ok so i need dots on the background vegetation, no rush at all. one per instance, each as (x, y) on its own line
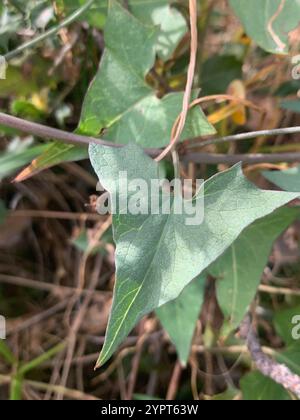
(57, 262)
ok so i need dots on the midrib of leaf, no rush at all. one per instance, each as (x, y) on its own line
(178, 320)
(235, 282)
(103, 357)
(264, 391)
(50, 158)
(132, 106)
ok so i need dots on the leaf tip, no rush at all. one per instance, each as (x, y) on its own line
(98, 365)
(100, 362)
(183, 363)
(20, 177)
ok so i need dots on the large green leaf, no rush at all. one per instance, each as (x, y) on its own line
(179, 317)
(171, 23)
(158, 255)
(119, 99)
(288, 179)
(256, 387)
(239, 270)
(268, 22)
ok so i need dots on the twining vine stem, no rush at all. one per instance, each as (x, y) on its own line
(250, 158)
(45, 132)
(247, 136)
(180, 123)
(265, 364)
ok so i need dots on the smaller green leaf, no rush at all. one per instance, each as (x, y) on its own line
(53, 154)
(12, 161)
(238, 277)
(288, 180)
(268, 22)
(25, 109)
(179, 317)
(256, 387)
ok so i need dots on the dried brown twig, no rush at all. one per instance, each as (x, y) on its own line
(267, 366)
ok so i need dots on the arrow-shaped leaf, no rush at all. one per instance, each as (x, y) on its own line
(119, 99)
(240, 268)
(157, 255)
